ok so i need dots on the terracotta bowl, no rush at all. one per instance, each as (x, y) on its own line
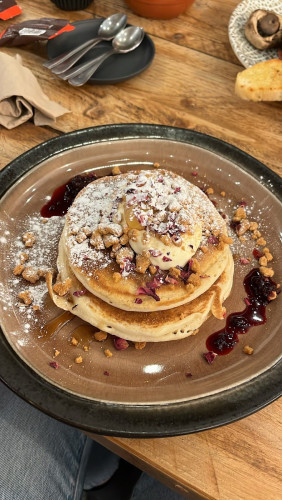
(159, 9)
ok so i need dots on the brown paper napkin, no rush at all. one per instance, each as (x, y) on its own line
(21, 96)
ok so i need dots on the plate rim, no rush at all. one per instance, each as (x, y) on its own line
(155, 420)
(101, 81)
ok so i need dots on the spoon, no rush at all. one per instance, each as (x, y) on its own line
(108, 29)
(125, 41)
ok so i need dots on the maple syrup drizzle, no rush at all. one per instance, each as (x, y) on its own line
(259, 290)
(55, 325)
(83, 334)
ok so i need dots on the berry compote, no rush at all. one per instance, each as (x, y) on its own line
(260, 291)
(64, 195)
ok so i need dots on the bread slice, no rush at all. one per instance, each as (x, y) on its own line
(261, 82)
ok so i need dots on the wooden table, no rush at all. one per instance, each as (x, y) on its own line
(190, 84)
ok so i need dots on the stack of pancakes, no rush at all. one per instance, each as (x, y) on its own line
(144, 256)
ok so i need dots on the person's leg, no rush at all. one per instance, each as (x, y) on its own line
(39, 457)
(42, 458)
(148, 487)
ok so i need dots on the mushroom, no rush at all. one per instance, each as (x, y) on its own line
(264, 29)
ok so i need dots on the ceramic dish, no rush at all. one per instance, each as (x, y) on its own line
(118, 67)
(159, 9)
(138, 392)
(246, 53)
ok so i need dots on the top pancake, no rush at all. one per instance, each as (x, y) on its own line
(118, 226)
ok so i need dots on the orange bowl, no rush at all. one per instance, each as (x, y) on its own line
(159, 9)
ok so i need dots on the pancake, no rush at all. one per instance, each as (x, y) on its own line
(172, 324)
(144, 241)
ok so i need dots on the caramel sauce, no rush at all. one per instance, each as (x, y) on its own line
(83, 334)
(55, 325)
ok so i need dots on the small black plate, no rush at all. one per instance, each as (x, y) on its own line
(118, 67)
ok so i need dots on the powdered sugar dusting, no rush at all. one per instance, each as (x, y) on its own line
(162, 202)
(41, 256)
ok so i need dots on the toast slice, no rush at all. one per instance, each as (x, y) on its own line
(261, 82)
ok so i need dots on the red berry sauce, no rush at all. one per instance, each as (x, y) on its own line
(259, 290)
(64, 195)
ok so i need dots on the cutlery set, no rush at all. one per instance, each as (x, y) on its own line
(112, 28)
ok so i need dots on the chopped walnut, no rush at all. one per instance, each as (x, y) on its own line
(195, 266)
(156, 165)
(23, 257)
(256, 234)
(266, 271)
(253, 226)
(26, 297)
(175, 272)
(78, 360)
(142, 264)
(56, 353)
(63, 288)
(152, 269)
(116, 247)
(124, 239)
(243, 227)
(165, 239)
(263, 261)
(194, 279)
(204, 249)
(116, 171)
(239, 214)
(146, 253)
(261, 242)
(100, 336)
(225, 239)
(248, 350)
(44, 221)
(96, 240)
(108, 353)
(272, 295)
(124, 253)
(31, 274)
(267, 254)
(87, 231)
(110, 240)
(28, 239)
(133, 234)
(35, 307)
(139, 345)
(18, 269)
(210, 190)
(74, 341)
(223, 194)
(86, 348)
(110, 228)
(80, 237)
(116, 277)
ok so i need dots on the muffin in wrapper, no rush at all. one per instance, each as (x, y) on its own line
(72, 4)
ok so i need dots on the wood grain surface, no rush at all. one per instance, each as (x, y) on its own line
(190, 84)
